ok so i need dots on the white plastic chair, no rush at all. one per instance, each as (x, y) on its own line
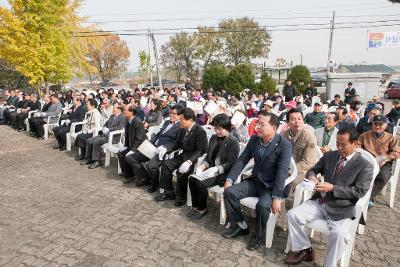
(251, 203)
(361, 208)
(153, 130)
(49, 126)
(30, 115)
(309, 128)
(394, 179)
(111, 150)
(71, 136)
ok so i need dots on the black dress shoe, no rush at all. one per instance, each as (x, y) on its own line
(128, 180)
(152, 189)
(235, 231)
(254, 243)
(180, 202)
(86, 162)
(199, 215)
(62, 148)
(164, 197)
(20, 130)
(143, 182)
(40, 138)
(95, 164)
(191, 212)
(80, 157)
(56, 147)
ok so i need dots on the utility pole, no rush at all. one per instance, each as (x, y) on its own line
(301, 59)
(328, 70)
(330, 44)
(156, 58)
(148, 48)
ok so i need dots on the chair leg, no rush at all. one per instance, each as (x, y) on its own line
(287, 249)
(269, 232)
(27, 125)
(188, 197)
(69, 142)
(46, 131)
(222, 212)
(119, 168)
(393, 187)
(107, 159)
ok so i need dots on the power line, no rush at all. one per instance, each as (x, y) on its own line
(244, 26)
(241, 31)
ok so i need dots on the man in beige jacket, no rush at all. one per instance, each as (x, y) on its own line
(304, 144)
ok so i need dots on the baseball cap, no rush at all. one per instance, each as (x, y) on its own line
(269, 103)
(379, 118)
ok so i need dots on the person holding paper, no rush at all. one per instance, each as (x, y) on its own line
(222, 153)
(348, 177)
(135, 134)
(271, 154)
(168, 134)
(192, 144)
(94, 144)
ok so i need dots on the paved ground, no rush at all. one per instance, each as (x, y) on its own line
(55, 212)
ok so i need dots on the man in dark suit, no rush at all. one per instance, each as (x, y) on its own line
(116, 122)
(51, 114)
(77, 115)
(33, 105)
(192, 143)
(345, 120)
(148, 172)
(347, 178)
(11, 101)
(349, 93)
(135, 134)
(271, 153)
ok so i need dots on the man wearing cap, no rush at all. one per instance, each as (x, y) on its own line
(365, 124)
(268, 105)
(349, 93)
(384, 147)
(315, 118)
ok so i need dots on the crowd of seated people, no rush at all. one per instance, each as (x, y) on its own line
(271, 132)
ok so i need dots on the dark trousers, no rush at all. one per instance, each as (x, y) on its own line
(167, 168)
(93, 147)
(13, 118)
(80, 141)
(20, 120)
(382, 179)
(252, 187)
(125, 168)
(6, 116)
(145, 168)
(199, 191)
(36, 125)
(60, 132)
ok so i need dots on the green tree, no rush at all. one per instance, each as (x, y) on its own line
(244, 39)
(208, 45)
(36, 38)
(144, 61)
(267, 84)
(215, 76)
(239, 78)
(10, 78)
(300, 77)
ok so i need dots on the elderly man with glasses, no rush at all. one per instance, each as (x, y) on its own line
(384, 147)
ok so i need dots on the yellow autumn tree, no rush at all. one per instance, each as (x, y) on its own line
(36, 37)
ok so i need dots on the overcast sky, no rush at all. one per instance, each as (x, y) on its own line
(349, 45)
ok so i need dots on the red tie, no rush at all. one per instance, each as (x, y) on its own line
(339, 168)
(340, 165)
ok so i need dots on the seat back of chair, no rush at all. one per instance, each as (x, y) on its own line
(363, 202)
(242, 146)
(320, 154)
(292, 171)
